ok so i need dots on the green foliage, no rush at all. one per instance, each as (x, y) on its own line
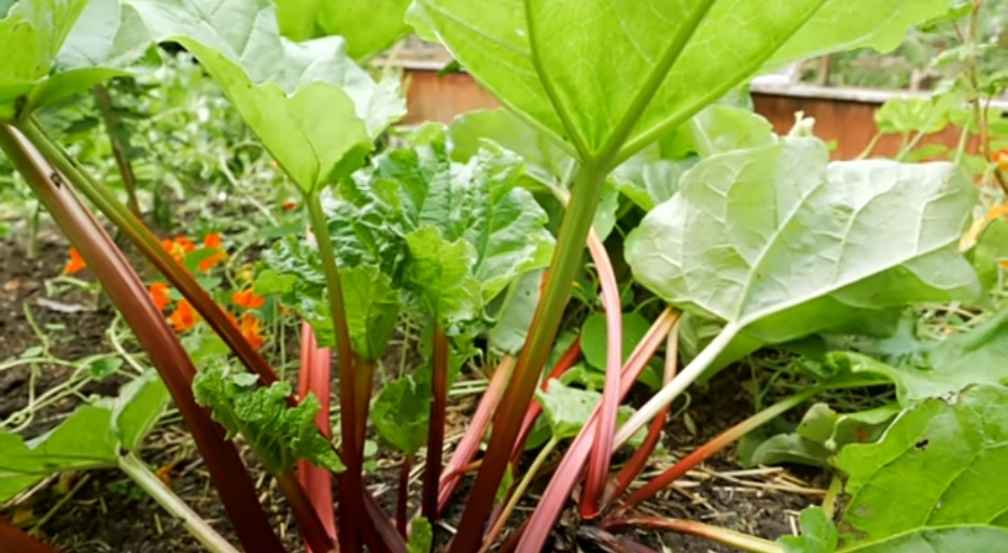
(64, 47)
(372, 309)
(930, 369)
(681, 56)
(421, 538)
(281, 435)
(821, 433)
(93, 436)
(401, 412)
(280, 86)
(368, 27)
(818, 535)
(840, 239)
(567, 409)
(942, 463)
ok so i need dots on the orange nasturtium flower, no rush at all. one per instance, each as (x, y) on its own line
(290, 205)
(178, 247)
(248, 299)
(159, 294)
(1000, 159)
(249, 326)
(75, 263)
(212, 241)
(184, 318)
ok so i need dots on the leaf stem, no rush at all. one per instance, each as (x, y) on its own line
(152, 485)
(436, 426)
(352, 515)
(117, 138)
(130, 297)
(315, 377)
(724, 536)
(715, 445)
(518, 492)
(682, 381)
(13, 539)
(566, 262)
(467, 447)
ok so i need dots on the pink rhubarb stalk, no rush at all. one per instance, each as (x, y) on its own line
(314, 377)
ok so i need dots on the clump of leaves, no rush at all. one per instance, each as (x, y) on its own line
(281, 435)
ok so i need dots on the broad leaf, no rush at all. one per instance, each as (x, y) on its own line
(280, 87)
(369, 27)
(401, 412)
(594, 337)
(924, 370)
(778, 242)
(281, 435)
(91, 437)
(821, 434)
(438, 271)
(63, 47)
(943, 464)
(567, 409)
(372, 309)
(139, 406)
(582, 70)
(514, 314)
(818, 534)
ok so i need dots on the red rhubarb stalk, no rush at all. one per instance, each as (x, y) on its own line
(130, 297)
(571, 467)
(14, 540)
(632, 469)
(598, 463)
(469, 445)
(314, 377)
(723, 536)
(436, 426)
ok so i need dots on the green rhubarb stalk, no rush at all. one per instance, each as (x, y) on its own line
(351, 497)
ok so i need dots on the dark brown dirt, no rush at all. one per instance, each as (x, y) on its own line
(107, 513)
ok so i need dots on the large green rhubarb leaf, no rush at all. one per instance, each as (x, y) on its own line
(315, 110)
(368, 27)
(941, 465)
(609, 77)
(779, 242)
(63, 47)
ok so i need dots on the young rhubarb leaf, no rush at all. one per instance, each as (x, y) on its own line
(401, 412)
(372, 308)
(681, 55)
(567, 409)
(280, 87)
(838, 239)
(137, 408)
(439, 272)
(942, 463)
(281, 435)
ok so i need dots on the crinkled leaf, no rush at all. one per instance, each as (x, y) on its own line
(139, 406)
(401, 412)
(724, 128)
(298, 19)
(942, 463)
(779, 242)
(64, 47)
(439, 271)
(924, 370)
(280, 87)
(591, 59)
(281, 435)
(372, 309)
